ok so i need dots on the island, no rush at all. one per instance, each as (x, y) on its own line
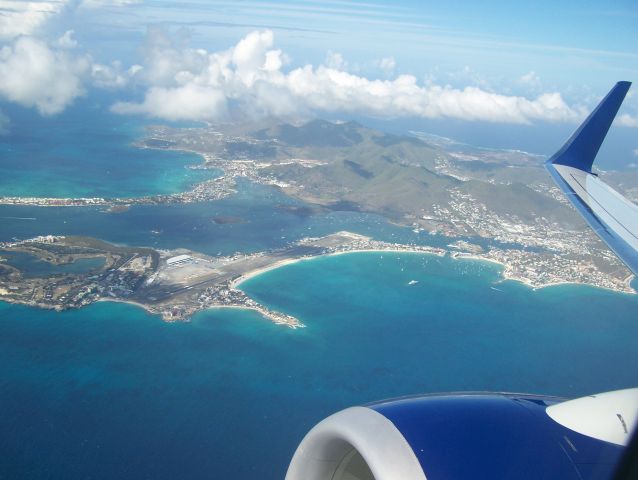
(179, 283)
(424, 182)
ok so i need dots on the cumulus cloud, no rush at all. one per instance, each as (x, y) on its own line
(530, 79)
(626, 120)
(387, 64)
(167, 59)
(187, 83)
(19, 17)
(67, 40)
(112, 75)
(33, 74)
(335, 60)
(188, 102)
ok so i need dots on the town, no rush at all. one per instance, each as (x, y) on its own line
(549, 245)
(176, 284)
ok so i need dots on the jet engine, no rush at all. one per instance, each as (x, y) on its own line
(470, 435)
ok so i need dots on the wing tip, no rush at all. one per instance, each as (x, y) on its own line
(582, 147)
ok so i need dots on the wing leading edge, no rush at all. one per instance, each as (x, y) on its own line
(610, 215)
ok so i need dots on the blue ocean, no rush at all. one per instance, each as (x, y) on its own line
(113, 392)
(87, 152)
(110, 391)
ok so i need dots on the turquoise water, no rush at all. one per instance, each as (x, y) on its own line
(110, 391)
(32, 266)
(266, 223)
(456, 328)
(84, 152)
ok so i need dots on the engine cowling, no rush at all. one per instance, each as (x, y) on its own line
(470, 435)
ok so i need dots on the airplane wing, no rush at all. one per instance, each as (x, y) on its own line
(610, 215)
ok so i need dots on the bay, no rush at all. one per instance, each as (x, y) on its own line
(110, 391)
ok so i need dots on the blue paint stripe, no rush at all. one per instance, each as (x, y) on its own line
(495, 436)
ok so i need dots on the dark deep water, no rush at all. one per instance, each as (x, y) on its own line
(112, 392)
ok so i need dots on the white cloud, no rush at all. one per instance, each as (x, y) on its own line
(189, 102)
(335, 60)
(34, 75)
(167, 59)
(107, 3)
(19, 17)
(113, 75)
(530, 80)
(67, 40)
(249, 78)
(626, 120)
(387, 64)
(22, 17)
(636, 152)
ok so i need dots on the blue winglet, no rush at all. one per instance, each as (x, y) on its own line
(582, 147)
(611, 216)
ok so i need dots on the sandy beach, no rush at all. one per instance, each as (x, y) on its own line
(253, 273)
(505, 273)
(239, 280)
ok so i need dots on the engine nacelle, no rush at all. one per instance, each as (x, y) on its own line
(470, 435)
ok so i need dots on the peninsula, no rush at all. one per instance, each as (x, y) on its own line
(172, 283)
(178, 283)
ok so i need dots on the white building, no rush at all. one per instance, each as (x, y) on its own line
(179, 260)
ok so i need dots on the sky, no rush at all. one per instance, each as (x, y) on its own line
(457, 62)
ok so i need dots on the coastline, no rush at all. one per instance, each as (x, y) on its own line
(147, 308)
(208, 190)
(254, 273)
(220, 286)
(504, 273)
(114, 202)
(291, 322)
(476, 258)
(524, 270)
(266, 313)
